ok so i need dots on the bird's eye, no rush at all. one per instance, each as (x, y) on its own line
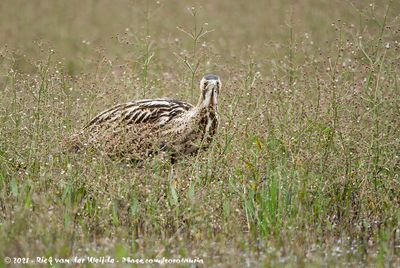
(205, 84)
(217, 84)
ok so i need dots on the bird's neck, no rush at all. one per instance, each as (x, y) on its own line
(207, 115)
(203, 105)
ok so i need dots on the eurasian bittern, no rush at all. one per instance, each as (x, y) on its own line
(139, 129)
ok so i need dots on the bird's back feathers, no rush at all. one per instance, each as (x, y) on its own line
(159, 111)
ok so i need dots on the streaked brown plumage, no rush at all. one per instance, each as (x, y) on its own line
(139, 129)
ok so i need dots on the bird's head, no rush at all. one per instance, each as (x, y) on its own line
(210, 86)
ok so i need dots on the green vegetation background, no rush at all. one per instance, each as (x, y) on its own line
(304, 170)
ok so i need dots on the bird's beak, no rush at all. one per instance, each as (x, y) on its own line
(214, 99)
(212, 83)
(212, 88)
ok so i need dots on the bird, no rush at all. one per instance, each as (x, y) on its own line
(140, 129)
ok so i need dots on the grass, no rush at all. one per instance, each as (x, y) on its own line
(304, 170)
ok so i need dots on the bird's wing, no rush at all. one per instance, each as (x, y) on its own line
(156, 111)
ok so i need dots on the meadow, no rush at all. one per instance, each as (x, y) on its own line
(304, 171)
